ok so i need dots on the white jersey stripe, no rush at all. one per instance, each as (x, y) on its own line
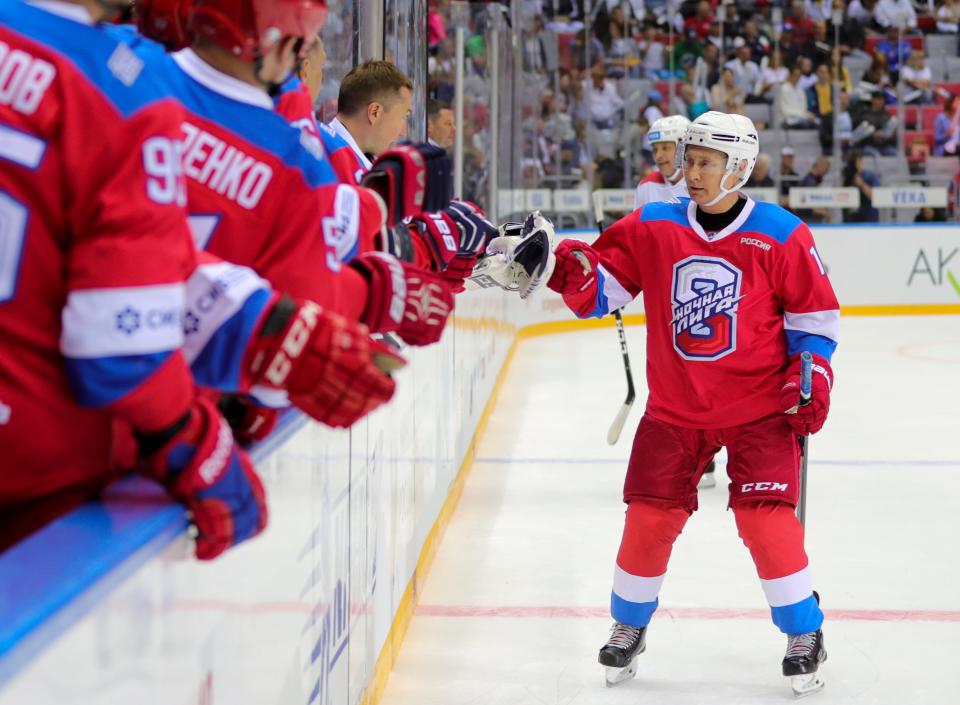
(823, 323)
(636, 588)
(616, 295)
(122, 321)
(788, 590)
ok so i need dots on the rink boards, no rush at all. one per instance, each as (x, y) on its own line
(104, 607)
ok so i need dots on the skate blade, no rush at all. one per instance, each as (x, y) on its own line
(807, 684)
(615, 676)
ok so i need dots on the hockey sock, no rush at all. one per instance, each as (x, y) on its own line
(648, 537)
(774, 537)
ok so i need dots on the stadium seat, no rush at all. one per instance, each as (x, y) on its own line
(926, 23)
(938, 68)
(942, 45)
(911, 114)
(941, 170)
(953, 88)
(758, 112)
(929, 116)
(804, 140)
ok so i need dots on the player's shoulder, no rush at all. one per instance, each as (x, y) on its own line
(249, 125)
(104, 60)
(654, 177)
(674, 211)
(773, 221)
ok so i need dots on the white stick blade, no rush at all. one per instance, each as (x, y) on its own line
(613, 435)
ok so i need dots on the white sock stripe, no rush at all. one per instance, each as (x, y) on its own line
(788, 590)
(636, 588)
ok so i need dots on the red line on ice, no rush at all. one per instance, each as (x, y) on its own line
(536, 612)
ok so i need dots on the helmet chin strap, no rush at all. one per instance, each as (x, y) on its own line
(676, 176)
(724, 192)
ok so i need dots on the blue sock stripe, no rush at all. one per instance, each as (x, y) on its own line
(636, 614)
(799, 618)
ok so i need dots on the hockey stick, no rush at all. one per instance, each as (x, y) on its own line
(806, 388)
(613, 435)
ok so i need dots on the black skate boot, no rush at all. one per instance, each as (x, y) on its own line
(620, 652)
(805, 653)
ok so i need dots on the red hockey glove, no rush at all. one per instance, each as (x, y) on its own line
(198, 463)
(809, 418)
(441, 235)
(412, 179)
(476, 232)
(404, 298)
(576, 267)
(329, 366)
(251, 423)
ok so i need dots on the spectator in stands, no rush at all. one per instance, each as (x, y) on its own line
(946, 129)
(896, 52)
(820, 103)
(532, 43)
(687, 52)
(808, 76)
(844, 121)
(800, 26)
(875, 78)
(839, 71)
(441, 126)
(746, 73)
(855, 175)
(948, 17)
(876, 130)
(603, 100)
(788, 177)
(773, 74)
(862, 12)
(928, 214)
(819, 10)
(759, 43)
(586, 51)
(888, 11)
(623, 57)
(654, 109)
(917, 79)
(792, 102)
(760, 177)
(814, 178)
(702, 21)
(726, 95)
(652, 51)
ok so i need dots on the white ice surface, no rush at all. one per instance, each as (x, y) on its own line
(539, 524)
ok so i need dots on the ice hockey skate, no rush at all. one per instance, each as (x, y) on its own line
(801, 663)
(620, 653)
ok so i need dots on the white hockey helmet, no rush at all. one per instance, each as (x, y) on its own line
(668, 129)
(733, 135)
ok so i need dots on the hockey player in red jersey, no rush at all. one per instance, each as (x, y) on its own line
(667, 182)
(99, 280)
(450, 241)
(734, 291)
(257, 197)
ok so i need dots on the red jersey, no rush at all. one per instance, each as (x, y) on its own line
(257, 197)
(94, 253)
(724, 310)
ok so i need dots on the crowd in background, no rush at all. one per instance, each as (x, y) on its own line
(598, 74)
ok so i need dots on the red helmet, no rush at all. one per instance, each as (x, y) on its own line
(250, 28)
(165, 21)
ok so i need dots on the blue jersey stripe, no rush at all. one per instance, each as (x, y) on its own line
(664, 210)
(798, 341)
(219, 365)
(799, 618)
(95, 53)
(636, 614)
(771, 220)
(99, 381)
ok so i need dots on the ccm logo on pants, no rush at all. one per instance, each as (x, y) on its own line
(763, 486)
